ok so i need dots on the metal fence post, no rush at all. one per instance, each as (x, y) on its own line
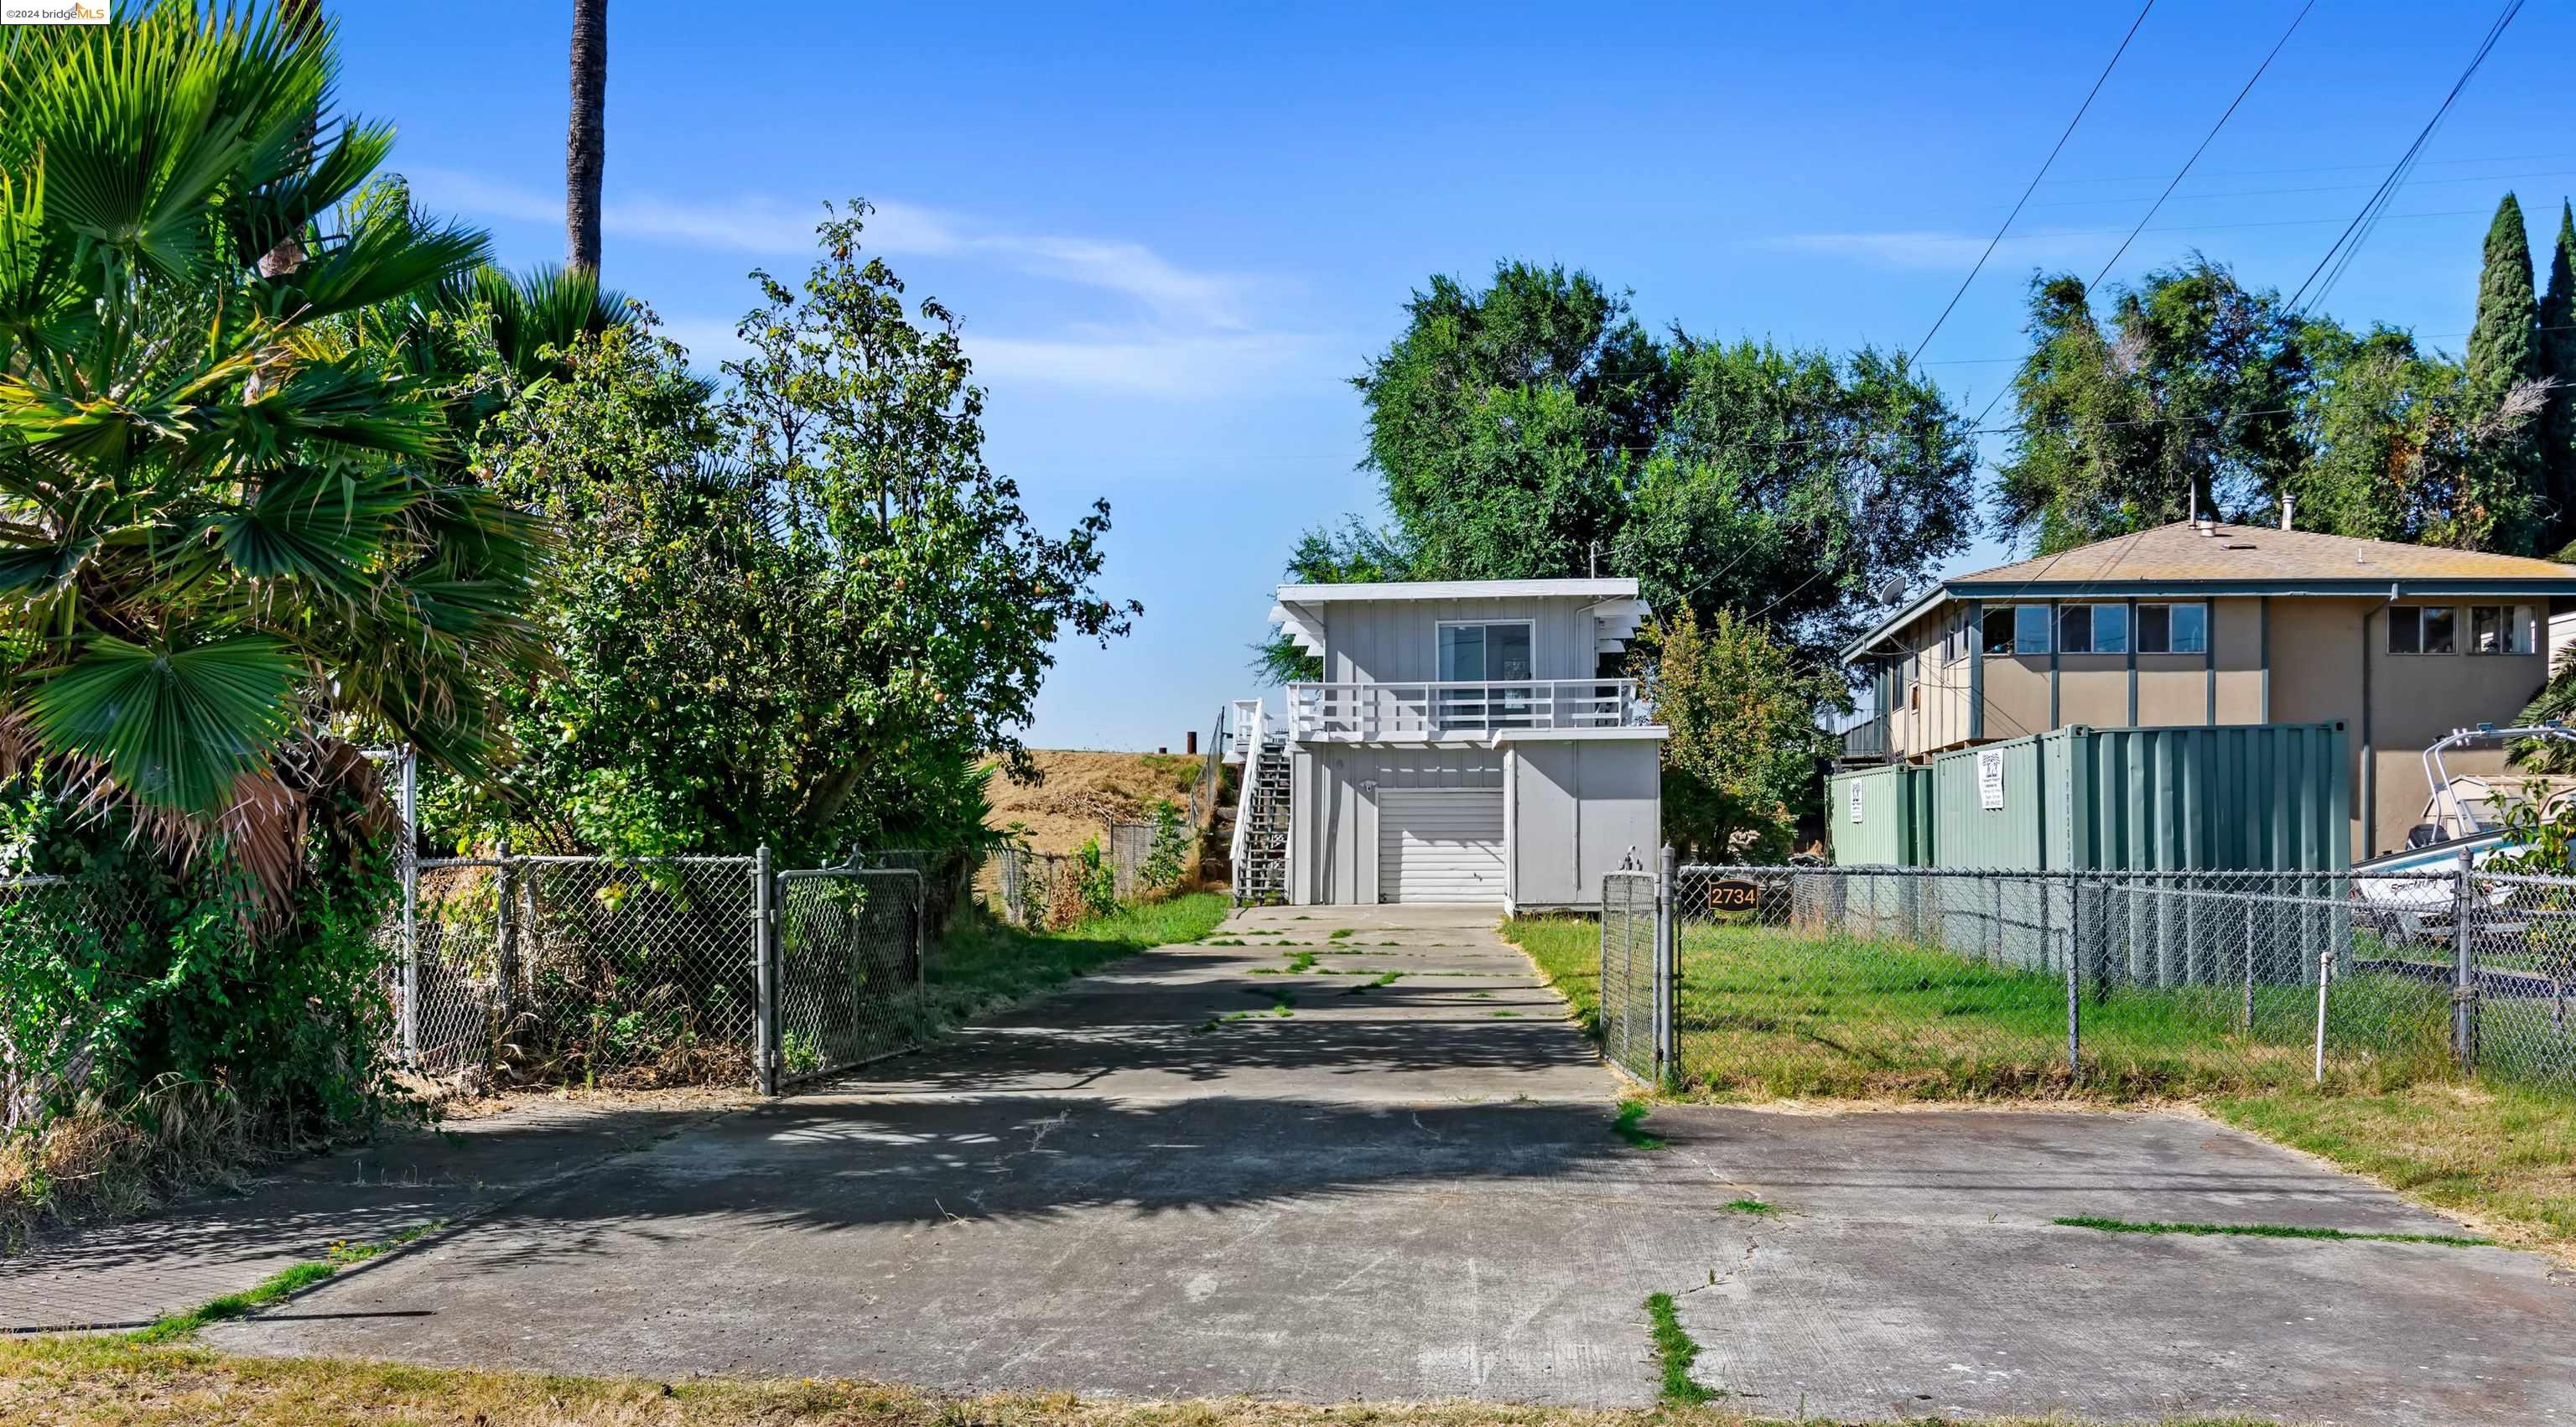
(1668, 967)
(2464, 993)
(409, 1020)
(2074, 978)
(764, 952)
(506, 940)
(2247, 1018)
(2325, 975)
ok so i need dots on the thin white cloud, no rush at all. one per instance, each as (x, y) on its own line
(1135, 362)
(763, 226)
(1936, 251)
(1146, 363)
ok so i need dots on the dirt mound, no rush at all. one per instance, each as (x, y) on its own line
(1083, 792)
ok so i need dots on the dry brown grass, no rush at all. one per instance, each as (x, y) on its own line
(99, 1164)
(1086, 791)
(2501, 1158)
(65, 1381)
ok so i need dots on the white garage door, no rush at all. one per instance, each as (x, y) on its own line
(1440, 846)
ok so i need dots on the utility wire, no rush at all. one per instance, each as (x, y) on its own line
(2180, 175)
(2185, 171)
(2358, 231)
(2067, 133)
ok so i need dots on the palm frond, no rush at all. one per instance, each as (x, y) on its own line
(175, 727)
(323, 528)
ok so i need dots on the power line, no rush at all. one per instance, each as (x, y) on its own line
(2328, 188)
(2181, 174)
(2358, 231)
(2060, 147)
(2425, 336)
(2325, 168)
(2205, 141)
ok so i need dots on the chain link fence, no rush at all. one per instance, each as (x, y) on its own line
(58, 939)
(1955, 982)
(652, 972)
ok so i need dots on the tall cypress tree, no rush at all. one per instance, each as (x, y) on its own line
(2558, 363)
(2504, 353)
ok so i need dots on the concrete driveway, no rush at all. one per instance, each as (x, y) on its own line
(1411, 1189)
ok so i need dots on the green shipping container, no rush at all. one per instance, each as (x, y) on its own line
(2242, 797)
(1879, 817)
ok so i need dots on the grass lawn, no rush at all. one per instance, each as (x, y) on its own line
(1770, 1011)
(108, 1381)
(985, 962)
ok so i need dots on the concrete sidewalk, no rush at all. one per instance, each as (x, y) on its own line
(1412, 1190)
(127, 1275)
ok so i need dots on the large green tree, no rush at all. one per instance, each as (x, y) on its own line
(2184, 392)
(234, 526)
(801, 609)
(233, 504)
(2557, 432)
(1534, 428)
(2504, 367)
(1745, 746)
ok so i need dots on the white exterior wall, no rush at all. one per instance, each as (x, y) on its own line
(1577, 807)
(1332, 818)
(1398, 641)
(1572, 810)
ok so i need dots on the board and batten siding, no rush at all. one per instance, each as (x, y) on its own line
(1333, 819)
(1579, 807)
(1397, 641)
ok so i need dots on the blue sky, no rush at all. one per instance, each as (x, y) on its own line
(1174, 232)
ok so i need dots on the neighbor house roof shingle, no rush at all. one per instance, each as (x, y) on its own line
(2255, 552)
(2183, 559)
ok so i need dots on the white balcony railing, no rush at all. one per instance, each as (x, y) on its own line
(1404, 713)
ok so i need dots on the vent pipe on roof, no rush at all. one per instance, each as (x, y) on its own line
(2288, 503)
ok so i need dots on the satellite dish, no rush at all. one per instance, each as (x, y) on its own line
(1891, 590)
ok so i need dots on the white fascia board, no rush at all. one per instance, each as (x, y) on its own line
(1460, 590)
(1654, 731)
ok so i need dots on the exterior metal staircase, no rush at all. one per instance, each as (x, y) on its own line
(1258, 856)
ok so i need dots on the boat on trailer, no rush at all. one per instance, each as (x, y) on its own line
(2412, 887)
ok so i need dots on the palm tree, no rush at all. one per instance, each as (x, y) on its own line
(586, 146)
(233, 516)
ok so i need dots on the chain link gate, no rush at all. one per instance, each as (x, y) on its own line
(1635, 982)
(848, 969)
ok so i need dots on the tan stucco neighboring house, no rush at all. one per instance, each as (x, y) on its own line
(2196, 624)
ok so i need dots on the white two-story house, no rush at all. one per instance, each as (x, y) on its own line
(1469, 742)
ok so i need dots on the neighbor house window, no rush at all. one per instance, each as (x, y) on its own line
(2500, 629)
(2093, 629)
(2017, 629)
(2422, 629)
(2173, 629)
(1485, 653)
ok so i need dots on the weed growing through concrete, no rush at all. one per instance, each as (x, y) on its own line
(1629, 1125)
(1341, 934)
(294, 1278)
(1300, 962)
(1506, 1015)
(1763, 1207)
(1388, 978)
(2264, 1231)
(1480, 995)
(1203, 1027)
(1674, 1353)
